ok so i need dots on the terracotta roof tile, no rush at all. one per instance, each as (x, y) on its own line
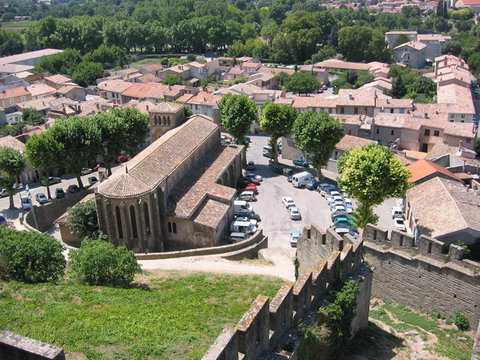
(423, 168)
(352, 142)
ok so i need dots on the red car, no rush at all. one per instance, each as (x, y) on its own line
(122, 159)
(95, 168)
(247, 181)
(249, 187)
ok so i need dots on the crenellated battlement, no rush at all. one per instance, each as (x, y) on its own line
(263, 326)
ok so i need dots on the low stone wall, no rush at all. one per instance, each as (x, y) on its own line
(262, 327)
(257, 238)
(476, 346)
(429, 277)
(46, 214)
(17, 347)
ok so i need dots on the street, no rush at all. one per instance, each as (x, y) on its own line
(276, 222)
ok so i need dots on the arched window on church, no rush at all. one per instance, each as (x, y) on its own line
(119, 223)
(169, 121)
(156, 120)
(133, 221)
(147, 218)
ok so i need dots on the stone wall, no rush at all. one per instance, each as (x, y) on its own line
(45, 215)
(263, 328)
(17, 347)
(476, 346)
(430, 277)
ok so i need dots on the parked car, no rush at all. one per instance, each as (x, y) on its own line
(337, 203)
(290, 178)
(52, 180)
(247, 196)
(324, 87)
(59, 193)
(252, 216)
(343, 220)
(397, 212)
(400, 224)
(246, 219)
(3, 221)
(122, 159)
(346, 230)
(313, 185)
(73, 188)
(3, 193)
(254, 176)
(301, 162)
(338, 214)
(288, 201)
(249, 187)
(99, 165)
(252, 180)
(338, 208)
(41, 198)
(92, 180)
(251, 165)
(86, 171)
(294, 236)
(26, 202)
(333, 198)
(295, 213)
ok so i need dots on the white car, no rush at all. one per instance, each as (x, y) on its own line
(295, 213)
(332, 199)
(294, 236)
(347, 200)
(246, 219)
(396, 211)
(338, 208)
(400, 224)
(288, 201)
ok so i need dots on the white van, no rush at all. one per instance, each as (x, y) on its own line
(241, 207)
(242, 226)
(247, 196)
(397, 212)
(301, 179)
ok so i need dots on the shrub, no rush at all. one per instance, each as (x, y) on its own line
(98, 262)
(461, 321)
(30, 257)
(83, 220)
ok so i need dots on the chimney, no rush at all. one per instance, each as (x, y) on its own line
(426, 115)
(350, 96)
(64, 111)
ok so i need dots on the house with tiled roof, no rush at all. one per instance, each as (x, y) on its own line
(411, 54)
(40, 90)
(177, 193)
(57, 81)
(29, 174)
(347, 142)
(444, 209)
(153, 92)
(112, 90)
(11, 97)
(204, 103)
(424, 170)
(154, 69)
(340, 65)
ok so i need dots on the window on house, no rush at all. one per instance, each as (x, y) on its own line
(12, 101)
(462, 116)
(342, 110)
(401, 111)
(355, 110)
(392, 132)
(427, 132)
(133, 221)
(378, 131)
(452, 117)
(147, 218)
(174, 226)
(469, 141)
(119, 223)
(169, 227)
(436, 133)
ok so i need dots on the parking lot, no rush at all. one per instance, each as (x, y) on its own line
(276, 222)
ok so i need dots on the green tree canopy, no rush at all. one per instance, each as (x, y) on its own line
(87, 72)
(362, 43)
(32, 116)
(137, 126)
(44, 151)
(30, 257)
(238, 113)
(83, 220)
(173, 80)
(98, 262)
(277, 120)
(12, 164)
(10, 43)
(61, 63)
(317, 134)
(452, 48)
(302, 83)
(371, 175)
(402, 39)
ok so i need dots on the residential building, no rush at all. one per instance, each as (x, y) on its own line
(391, 37)
(41, 90)
(411, 54)
(11, 97)
(30, 174)
(424, 170)
(177, 193)
(340, 65)
(57, 81)
(204, 103)
(153, 92)
(346, 143)
(112, 90)
(444, 209)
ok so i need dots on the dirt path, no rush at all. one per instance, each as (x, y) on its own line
(281, 264)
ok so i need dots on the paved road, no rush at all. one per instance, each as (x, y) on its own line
(276, 222)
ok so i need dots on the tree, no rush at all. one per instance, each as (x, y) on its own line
(61, 63)
(31, 257)
(172, 80)
(83, 220)
(423, 85)
(98, 262)
(44, 151)
(317, 134)
(302, 83)
(12, 164)
(281, 77)
(362, 43)
(399, 89)
(87, 72)
(137, 126)
(474, 61)
(371, 175)
(32, 116)
(452, 48)
(277, 120)
(80, 139)
(238, 112)
(10, 43)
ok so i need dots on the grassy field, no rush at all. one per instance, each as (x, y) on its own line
(178, 317)
(141, 63)
(440, 337)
